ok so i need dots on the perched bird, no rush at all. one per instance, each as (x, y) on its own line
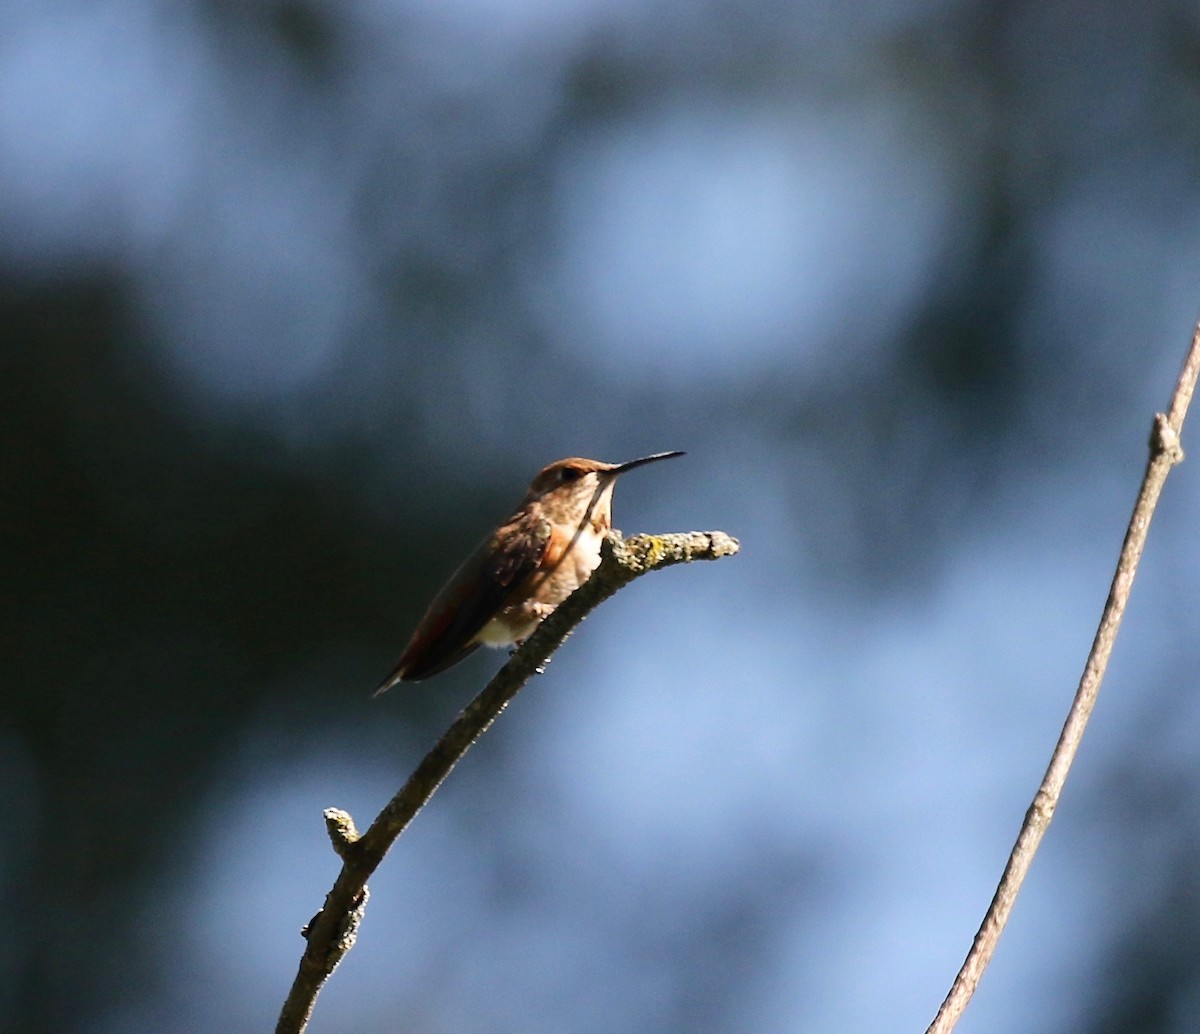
(523, 570)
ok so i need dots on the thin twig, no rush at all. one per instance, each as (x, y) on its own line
(332, 931)
(1165, 452)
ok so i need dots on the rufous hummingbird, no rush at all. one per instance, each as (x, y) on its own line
(523, 570)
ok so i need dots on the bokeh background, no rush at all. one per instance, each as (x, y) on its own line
(296, 296)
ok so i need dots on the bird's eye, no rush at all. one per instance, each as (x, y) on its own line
(570, 474)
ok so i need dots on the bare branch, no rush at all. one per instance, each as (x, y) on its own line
(1165, 452)
(332, 931)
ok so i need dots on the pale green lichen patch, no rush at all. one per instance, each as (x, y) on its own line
(654, 550)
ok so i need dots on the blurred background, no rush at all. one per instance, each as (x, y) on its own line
(295, 298)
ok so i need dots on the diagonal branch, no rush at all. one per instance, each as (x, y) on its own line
(1165, 452)
(332, 931)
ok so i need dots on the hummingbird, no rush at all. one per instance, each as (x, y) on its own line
(523, 570)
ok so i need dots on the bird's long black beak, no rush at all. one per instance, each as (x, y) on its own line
(621, 468)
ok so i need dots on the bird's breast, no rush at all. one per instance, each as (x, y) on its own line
(569, 562)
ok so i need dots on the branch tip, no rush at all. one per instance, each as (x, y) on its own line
(341, 829)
